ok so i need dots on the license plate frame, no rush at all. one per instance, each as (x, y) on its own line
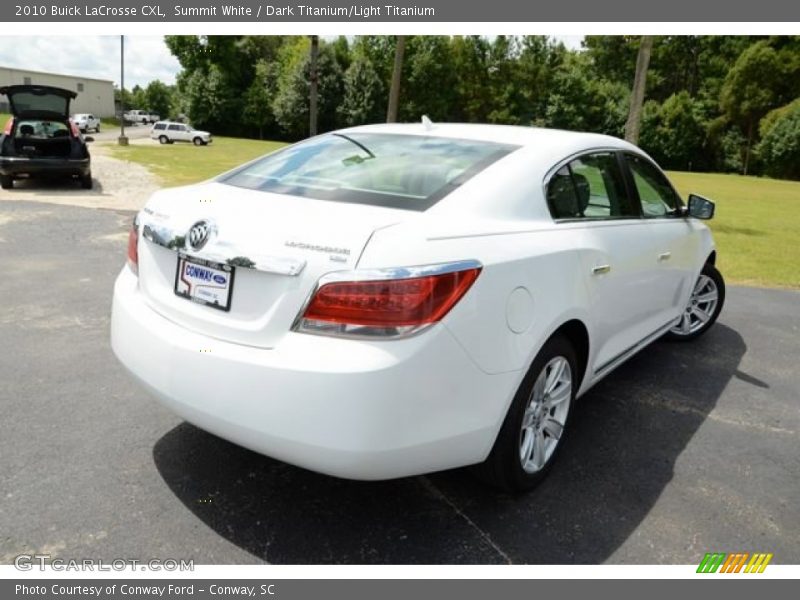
(189, 290)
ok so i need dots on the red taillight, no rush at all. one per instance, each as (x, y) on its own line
(9, 126)
(133, 249)
(74, 129)
(398, 305)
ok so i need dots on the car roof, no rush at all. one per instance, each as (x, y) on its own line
(539, 137)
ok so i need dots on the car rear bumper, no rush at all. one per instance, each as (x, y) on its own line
(354, 409)
(44, 166)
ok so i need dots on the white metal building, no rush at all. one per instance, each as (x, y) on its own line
(95, 96)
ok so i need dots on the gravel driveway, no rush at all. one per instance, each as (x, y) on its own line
(118, 184)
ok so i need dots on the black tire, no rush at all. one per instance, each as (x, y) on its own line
(86, 181)
(503, 468)
(679, 333)
(6, 182)
(97, 129)
(197, 141)
(162, 139)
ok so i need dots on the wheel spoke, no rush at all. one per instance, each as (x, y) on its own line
(560, 394)
(686, 324)
(538, 451)
(707, 297)
(553, 428)
(537, 393)
(701, 314)
(526, 446)
(701, 282)
(554, 376)
(528, 417)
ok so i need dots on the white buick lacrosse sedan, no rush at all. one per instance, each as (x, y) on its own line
(392, 300)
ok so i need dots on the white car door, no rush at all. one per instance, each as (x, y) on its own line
(174, 132)
(675, 242)
(589, 196)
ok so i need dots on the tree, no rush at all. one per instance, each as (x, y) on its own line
(397, 75)
(779, 148)
(158, 98)
(363, 94)
(291, 100)
(633, 124)
(313, 80)
(749, 91)
(674, 132)
(258, 103)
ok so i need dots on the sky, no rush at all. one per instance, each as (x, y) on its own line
(146, 57)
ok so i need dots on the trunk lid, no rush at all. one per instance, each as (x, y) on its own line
(38, 101)
(278, 245)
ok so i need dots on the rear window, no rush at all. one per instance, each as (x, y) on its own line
(45, 102)
(160, 126)
(411, 172)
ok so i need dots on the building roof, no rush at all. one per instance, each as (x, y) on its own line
(71, 76)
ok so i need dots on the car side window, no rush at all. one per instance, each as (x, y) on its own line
(657, 196)
(173, 128)
(590, 187)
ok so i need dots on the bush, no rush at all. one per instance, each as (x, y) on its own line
(779, 150)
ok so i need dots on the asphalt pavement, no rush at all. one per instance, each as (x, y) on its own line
(686, 449)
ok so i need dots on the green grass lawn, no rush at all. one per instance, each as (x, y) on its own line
(183, 163)
(756, 226)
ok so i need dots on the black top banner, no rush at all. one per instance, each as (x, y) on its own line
(414, 11)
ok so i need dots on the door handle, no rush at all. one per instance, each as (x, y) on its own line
(664, 256)
(601, 269)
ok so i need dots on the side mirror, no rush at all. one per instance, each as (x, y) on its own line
(88, 139)
(700, 208)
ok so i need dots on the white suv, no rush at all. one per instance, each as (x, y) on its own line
(168, 132)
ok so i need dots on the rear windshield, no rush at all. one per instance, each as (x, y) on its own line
(43, 102)
(398, 171)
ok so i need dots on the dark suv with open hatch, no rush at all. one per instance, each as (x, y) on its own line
(40, 140)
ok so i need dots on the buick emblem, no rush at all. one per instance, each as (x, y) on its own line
(199, 234)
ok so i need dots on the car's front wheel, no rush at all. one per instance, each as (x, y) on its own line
(534, 427)
(703, 308)
(198, 141)
(6, 182)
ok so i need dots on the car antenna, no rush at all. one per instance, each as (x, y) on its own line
(427, 123)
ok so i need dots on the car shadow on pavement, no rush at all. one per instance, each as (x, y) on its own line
(625, 437)
(56, 186)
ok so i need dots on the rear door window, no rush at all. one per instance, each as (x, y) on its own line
(590, 187)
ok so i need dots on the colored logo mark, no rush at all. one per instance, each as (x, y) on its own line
(737, 562)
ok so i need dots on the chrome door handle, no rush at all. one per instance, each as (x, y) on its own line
(600, 269)
(664, 256)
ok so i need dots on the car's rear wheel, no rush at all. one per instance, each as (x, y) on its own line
(703, 308)
(197, 141)
(162, 139)
(86, 181)
(534, 427)
(6, 182)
